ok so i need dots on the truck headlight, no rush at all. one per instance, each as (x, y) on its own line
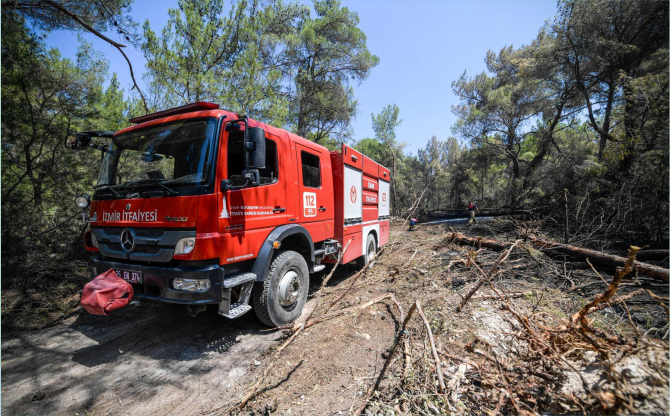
(94, 241)
(184, 245)
(191, 285)
(82, 201)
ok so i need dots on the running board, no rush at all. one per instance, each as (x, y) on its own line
(242, 283)
(319, 268)
(238, 279)
(236, 310)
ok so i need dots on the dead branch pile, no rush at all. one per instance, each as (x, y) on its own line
(502, 333)
(534, 361)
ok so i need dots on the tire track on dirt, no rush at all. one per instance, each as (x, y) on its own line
(146, 359)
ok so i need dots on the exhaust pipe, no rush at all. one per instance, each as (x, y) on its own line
(193, 310)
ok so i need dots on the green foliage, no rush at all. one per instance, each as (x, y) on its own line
(100, 15)
(271, 61)
(584, 107)
(234, 60)
(43, 97)
(329, 52)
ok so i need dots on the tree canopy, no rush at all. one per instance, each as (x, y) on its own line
(580, 113)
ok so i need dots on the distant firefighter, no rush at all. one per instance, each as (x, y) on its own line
(471, 208)
(412, 224)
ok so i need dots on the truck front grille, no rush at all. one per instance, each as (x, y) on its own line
(140, 232)
(144, 249)
(153, 244)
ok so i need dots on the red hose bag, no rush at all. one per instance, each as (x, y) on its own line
(106, 293)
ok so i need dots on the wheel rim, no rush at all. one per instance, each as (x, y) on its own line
(290, 289)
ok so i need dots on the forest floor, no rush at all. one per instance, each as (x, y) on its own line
(512, 348)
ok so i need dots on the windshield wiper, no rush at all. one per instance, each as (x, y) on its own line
(153, 182)
(108, 188)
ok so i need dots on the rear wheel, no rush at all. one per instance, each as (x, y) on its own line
(370, 252)
(279, 299)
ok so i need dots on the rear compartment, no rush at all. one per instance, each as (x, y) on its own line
(361, 188)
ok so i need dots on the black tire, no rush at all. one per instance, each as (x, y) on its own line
(266, 300)
(370, 251)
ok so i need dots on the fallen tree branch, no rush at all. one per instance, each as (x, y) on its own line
(608, 293)
(346, 310)
(323, 284)
(438, 368)
(354, 278)
(396, 341)
(509, 296)
(254, 389)
(260, 381)
(486, 276)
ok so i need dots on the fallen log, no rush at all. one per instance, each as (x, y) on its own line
(596, 257)
(645, 255)
(478, 241)
(603, 259)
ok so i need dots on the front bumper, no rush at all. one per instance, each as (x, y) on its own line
(156, 281)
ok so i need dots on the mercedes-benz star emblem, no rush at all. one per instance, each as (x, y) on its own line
(128, 240)
(127, 207)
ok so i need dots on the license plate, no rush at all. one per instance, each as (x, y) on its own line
(130, 276)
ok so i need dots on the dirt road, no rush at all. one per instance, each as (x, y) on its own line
(149, 358)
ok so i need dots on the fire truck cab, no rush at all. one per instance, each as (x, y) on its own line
(197, 205)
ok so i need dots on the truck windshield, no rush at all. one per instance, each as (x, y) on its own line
(174, 154)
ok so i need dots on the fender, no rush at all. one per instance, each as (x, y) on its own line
(262, 264)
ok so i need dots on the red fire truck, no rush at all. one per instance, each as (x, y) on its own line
(197, 206)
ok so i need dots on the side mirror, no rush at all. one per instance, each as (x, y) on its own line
(226, 185)
(256, 137)
(77, 141)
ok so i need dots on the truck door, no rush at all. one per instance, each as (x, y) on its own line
(249, 213)
(315, 201)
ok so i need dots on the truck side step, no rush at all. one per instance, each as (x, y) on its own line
(238, 279)
(319, 268)
(236, 310)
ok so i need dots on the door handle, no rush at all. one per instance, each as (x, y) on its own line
(278, 210)
(322, 209)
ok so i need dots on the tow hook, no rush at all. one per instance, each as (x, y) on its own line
(193, 310)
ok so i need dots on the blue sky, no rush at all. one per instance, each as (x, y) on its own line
(422, 45)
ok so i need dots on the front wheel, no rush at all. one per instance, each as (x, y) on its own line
(370, 253)
(279, 299)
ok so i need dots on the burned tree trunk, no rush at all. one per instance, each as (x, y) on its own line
(549, 248)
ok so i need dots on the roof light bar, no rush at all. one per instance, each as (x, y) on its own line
(200, 105)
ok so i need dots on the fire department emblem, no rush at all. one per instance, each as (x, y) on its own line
(352, 194)
(384, 199)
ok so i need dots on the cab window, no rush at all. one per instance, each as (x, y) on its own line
(236, 160)
(311, 170)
